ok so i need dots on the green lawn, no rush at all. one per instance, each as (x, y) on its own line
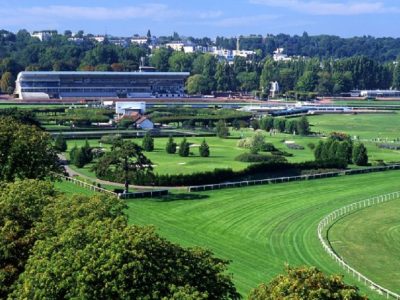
(369, 240)
(72, 189)
(263, 227)
(366, 126)
(224, 151)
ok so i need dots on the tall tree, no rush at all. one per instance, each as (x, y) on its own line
(248, 81)
(107, 259)
(180, 61)
(21, 208)
(396, 76)
(125, 161)
(26, 152)
(159, 59)
(60, 143)
(303, 126)
(222, 130)
(307, 82)
(7, 83)
(197, 84)
(223, 77)
(267, 75)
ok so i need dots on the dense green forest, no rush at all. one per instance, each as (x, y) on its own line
(321, 46)
(368, 63)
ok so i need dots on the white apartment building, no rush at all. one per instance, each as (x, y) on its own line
(139, 40)
(280, 56)
(43, 35)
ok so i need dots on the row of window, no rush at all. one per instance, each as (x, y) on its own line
(99, 90)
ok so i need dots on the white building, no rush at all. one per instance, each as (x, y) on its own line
(99, 38)
(230, 55)
(43, 35)
(243, 53)
(139, 40)
(274, 89)
(176, 45)
(122, 42)
(189, 49)
(120, 107)
(380, 93)
(280, 56)
(76, 40)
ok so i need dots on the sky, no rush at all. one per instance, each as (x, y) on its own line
(209, 18)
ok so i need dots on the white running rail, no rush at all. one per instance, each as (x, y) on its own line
(335, 215)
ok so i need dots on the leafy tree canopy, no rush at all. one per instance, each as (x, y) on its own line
(25, 152)
(305, 283)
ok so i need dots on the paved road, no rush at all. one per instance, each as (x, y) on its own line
(71, 173)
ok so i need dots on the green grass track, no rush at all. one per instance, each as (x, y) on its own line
(261, 228)
(369, 240)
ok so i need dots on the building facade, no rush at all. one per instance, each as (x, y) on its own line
(59, 85)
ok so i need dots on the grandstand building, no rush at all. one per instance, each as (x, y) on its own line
(86, 85)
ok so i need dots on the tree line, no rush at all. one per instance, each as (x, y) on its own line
(321, 46)
(328, 74)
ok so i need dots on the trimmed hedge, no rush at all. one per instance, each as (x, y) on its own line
(256, 158)
(224, 175)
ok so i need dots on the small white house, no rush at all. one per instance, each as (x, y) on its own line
(144, 123)
(120, 107)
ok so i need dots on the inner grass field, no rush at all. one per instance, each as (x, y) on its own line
(366, 126)
(369, 240)
(261, 228)
(224, 151)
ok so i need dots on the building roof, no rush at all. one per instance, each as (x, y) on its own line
(86, 73)
(141, 120)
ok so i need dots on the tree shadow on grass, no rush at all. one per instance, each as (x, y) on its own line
(181, 197)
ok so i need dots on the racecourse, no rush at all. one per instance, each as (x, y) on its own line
(369, 241)
(261, 228)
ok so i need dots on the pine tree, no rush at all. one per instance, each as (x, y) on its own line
(184, 148)
(72, 154)
(7, 83)
(148, 142)
(79, 159)
(171, 146)
(87, 152)
(303, 127)
(204, 149)
(396, 76)
(60, 143)
(360, 155)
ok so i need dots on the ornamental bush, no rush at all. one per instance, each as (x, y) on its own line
(171, 146)
(204, 149)
(148, 142)
(184, 148)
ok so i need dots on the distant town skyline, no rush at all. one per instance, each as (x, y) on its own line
(206, 18)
